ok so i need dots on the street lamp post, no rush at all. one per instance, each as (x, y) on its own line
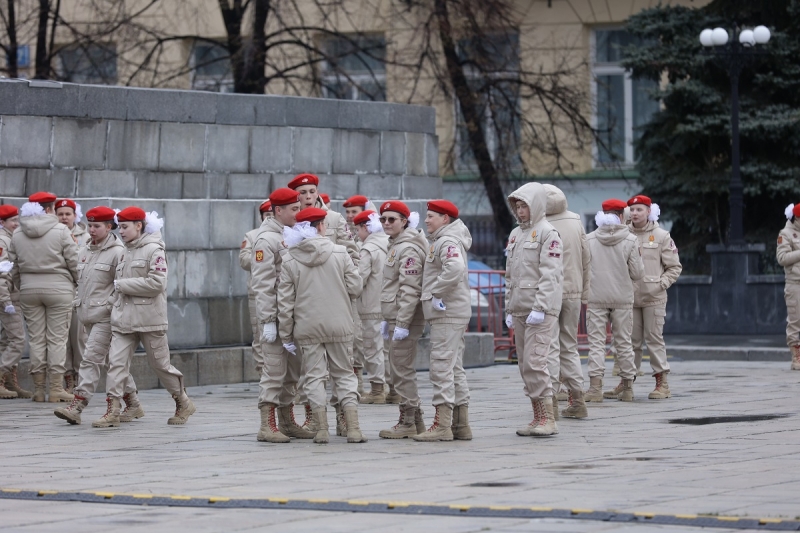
(735, 54)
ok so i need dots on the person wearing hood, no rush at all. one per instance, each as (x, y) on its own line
(139, 315)
(374, 247)
(534, 285)
(616, 264)
(447, 307)
(662, 266)
(12, 337)
(564, 361)
(45, 260)
(317, 285)
(281, 374)
(97, 266)
(788, 255)
(401, 307)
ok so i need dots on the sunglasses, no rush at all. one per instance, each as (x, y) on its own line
(390, 220)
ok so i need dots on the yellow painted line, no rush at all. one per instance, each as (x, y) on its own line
(104, 494)
(216, 499)
(44, 492)
(393, 505)
(142, 496)
(728, 518)
(581, 511)
(541, 509)
(12, 490)
(278, 500)
(499, 508)
(180, 497)
(645, 515)
(461, 507)
(769, 520)
(357, 502)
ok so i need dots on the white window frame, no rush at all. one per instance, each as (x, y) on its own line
(329, 77)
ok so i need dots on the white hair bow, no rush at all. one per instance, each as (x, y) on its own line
(413, 220)
(78, 213)
(606, 219)
(789, 211)
(31, 209)
(153, 224)
(655, 212)
(296, 234)
(374, 224)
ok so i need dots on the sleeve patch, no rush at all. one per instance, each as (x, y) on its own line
(452, 251)
(412, 272)
(554, 245)
(553, 254)
(259, 256)
(244, 243)
(410, 262)
(780, 241)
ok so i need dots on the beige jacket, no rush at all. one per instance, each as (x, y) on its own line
(338, 232)
(141, 297)
(45, 255)
(402, 279)
(446, 274)
(370, 268)
(9, 294)
(82, 237)
(246, 257)
(616, 264)
(97, 266)
(662, 266)
(577, 257)
(317, 285)
(265, 269)
(788, 251)
(534, 266)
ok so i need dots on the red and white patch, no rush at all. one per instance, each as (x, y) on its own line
(452, 251)
(1, 251)
(780, 241)
(160, 260)
(259, 256)
(554, 245)
(554, 254)
(412, 272)
(410, 262)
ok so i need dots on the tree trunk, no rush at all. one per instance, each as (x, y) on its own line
(42, 56)
(255, 73)
(13, 67)
(232, 17)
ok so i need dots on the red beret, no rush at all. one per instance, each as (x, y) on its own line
(283, 196)
(131, 214)
(640, 199)
(614, 205)
(42, 197)
(266, 206)
(311, 214)
(796, 210)
(100, 214)
(443, 207)
(325, 198)
(356, 201)
(397, 206)
(362, 217)
(64, 202)
(303, 179)
(8, 211)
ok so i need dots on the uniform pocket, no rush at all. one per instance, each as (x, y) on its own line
(661, 316)
(440, 362)
(142, 301)
(531, 252)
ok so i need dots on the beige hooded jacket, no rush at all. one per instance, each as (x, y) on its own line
(370, 268)
(616, 264)
(662, 266)
(44, 254)
(246, 257)
(338, 232)
(97, 266)
(534, 263)
(446, 275)
(788, 251)
(402, 279)
(140, 303)
(317, 285)
(269, 251)
(577, 256)
(8, 292)
(82, 236)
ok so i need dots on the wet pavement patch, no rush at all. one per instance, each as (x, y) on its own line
(706, 420)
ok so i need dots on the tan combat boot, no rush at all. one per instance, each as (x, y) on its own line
(614, 393)
(527, 431)
(393, 396)
(562, 395)
(308, 423)
(460, 427)
(289, 426)
(184, 408)
(405, 427)
(547, 424)
(796, 357)
(376, 394)
(6, 394)
(441, 429)
(577, 407)
(321, 423)
(661, 392)
(595, 392)
(341, 424)
(556, 415)
(269, 431)
(39, 386)
(72, 412)
(111, 418)
(419, 421)
(69, 382)
(626, 394)
(13, 384)
(133, 409)
(351, 424)
(359, 372)
(57, 392)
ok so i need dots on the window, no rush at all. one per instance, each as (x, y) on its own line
(91, 63)
(622, 104)
(211, 68)
(355, 68)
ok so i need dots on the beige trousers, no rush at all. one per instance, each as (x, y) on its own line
(564, 361)
(76, 344)
(791, 292)
(621, 326)
(359, 357)
(402, 358)
(447, 374)
(533, 345)
(47, 315)
(648, 328)
(258, 351)
(156, 345)
(334, 359)
(12, 338)
(280, 375)
(373, 351)
(95, 357)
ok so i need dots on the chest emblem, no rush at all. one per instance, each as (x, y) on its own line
(533, 235)
(651, 238)
(394, 253)
(259, 256)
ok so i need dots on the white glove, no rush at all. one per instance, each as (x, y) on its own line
(399, 334)
(509, 321)
(270, 332)
(385, 330)
(116, 285)
(6, 266)
(536, 317)
(291, 348)
(438, 304)
(10, 309)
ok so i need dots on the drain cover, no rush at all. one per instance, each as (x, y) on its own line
(703, 421)
(495, 484)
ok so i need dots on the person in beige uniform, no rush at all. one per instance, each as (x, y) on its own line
(139, 314)
(402, 311)
(245, 260)
(352, 207)
(662, 266)
(281, 377)
(564, 361)
(534, 279)
(45, 259)
(97, 266)
(316, 268)
(788, 255)
(374, 247)
(616, 264)
(12, 336)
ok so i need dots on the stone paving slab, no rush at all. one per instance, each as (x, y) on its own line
(625, 458)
